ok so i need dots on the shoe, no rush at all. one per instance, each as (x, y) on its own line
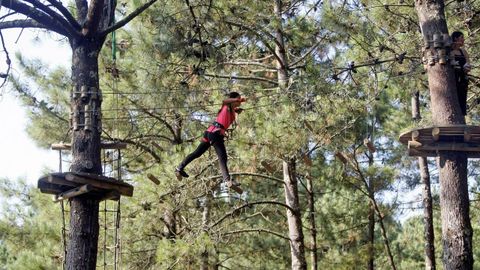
(180, 173)
(234, 185)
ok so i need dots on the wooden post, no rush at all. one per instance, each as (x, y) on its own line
(415, 135)
(436, 133)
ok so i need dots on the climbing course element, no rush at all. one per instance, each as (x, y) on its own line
(67, 185)
(427, 142)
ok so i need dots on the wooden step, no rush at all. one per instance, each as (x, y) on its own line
(99, 186)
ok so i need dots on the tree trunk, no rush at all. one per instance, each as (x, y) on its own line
(456, 227)
(311, 220)
(426, 194)
(416, 106)
(86, 104)
(297, 246)
(371, 237)
(427, 215)
(280, 55)
(205, 220)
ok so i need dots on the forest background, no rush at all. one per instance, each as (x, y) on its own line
(353, 69)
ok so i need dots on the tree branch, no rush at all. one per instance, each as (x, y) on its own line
(55, 16)
(127, 19)
(82, 9)
(29, 23)
(143, 147)
(42, 18)
(8, 61)
(231, 213)
(93, 17)
(264, 41)
(257, 231)
(64, 11)
(247, 78)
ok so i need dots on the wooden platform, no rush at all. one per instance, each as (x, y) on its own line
(103, 145)
(429, 141)
(68, 185)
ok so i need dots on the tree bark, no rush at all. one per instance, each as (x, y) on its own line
(294, 216)
(426, 195)
(86, 104)
(313, 228)
(371, 236)
(427, 215)
(456, 227)
(205, 221)
(280, 55)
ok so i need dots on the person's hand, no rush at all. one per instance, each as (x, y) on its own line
(467, 67)
(238, 110)
(243, 99)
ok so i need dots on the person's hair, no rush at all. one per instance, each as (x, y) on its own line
(233, 95)
(456, 35)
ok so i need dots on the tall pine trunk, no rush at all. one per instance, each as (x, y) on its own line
(294, 216)
(205, 220)
(85, 104)
(313, 227)
(371, 235)
(426, 195)
(454, 203)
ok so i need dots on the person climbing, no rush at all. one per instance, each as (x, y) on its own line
(215, 135)
(462, 67)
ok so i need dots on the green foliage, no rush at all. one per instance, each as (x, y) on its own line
(29, 231)
(352, 68)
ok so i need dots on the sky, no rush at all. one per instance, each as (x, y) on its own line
(20, 158)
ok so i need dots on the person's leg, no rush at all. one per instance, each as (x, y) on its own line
(217, 140)
(462, 95)
(219, 145)
(202, 148)
(461, 84)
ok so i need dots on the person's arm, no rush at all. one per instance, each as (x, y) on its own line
(467, 67)
(232, 100)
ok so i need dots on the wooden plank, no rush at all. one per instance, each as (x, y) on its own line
(342, 157)
(414, 144)
(113, 145)
(153, 179)
(60, 146)
(467, 135)
(440, 133)
(73, 193)
(59, 179)
(463, 147)
(49, 188)
(111, 195)
(103, 145)
(101, 182)
(369, 145)
(267, 166)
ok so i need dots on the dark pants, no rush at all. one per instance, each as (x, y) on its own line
(217, 140)
(462, 88)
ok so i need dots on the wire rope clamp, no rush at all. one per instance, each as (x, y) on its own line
(438, 40)
(84, 93)
(75, 93)
(94, 93)
(88, 118)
